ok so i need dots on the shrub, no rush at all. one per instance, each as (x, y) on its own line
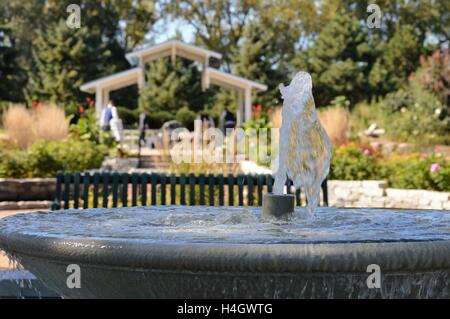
(17, 121)
(441, 179)
(3, 107)
(415, 172)
(129, 117)
(335, 121)
(45, 159)
(157, 119)
(87, 129)
(12, 164)
(409, 115)
(186, 117)
(416, 115)
(362, 116)
(353, 163)
(25, 126)
(49, 123)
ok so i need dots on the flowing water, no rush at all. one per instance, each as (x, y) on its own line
(305, 148)
(233, 225)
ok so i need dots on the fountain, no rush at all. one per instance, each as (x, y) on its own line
(242, 252)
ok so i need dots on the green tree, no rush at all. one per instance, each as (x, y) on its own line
(172, 87)
(397, 59)
(424, 16)
(11, 73)
(64, 59)
(218, 24)
(338, 60)
(259, 60)
(114, 27)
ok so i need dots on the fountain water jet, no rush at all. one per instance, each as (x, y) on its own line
(305, 149)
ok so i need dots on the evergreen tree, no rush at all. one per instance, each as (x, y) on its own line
(12, 76)
(109, 29)
(64, 59)
(397, 59)
(339, 60)
(172, 87)
(260, 59)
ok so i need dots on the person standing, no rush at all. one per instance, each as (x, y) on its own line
(227, 120)
(110, 121)
(109, 113)
(142, 126)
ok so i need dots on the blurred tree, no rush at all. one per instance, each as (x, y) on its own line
(396, 60)
(109, 28)
(11, 73)
(434, 74)
(338, 60)
(65, 58)
(426, 17)
(258, 59)
(172, 87)
(218, 24)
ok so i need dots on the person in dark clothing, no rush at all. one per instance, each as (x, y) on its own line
(227, 120)
(142, 126)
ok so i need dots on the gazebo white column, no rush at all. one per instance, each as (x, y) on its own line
(98, 102)
(205, 79)
(141, 78)
(240, 107)
(248, 104)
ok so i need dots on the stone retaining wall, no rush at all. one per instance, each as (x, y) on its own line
(377, 194)
(27, 189)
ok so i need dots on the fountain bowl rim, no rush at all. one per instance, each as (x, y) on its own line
(224, 257)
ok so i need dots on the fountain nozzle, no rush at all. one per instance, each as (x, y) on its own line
(278, 206)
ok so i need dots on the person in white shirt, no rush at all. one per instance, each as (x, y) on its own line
(109, 113)
(110, 121)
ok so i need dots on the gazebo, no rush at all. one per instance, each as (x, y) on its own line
(103, 86)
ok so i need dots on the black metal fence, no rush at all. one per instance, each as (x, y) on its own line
(84, 190)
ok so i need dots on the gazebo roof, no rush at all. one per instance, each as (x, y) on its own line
(173, 48)
(220, 78)
(114, 81)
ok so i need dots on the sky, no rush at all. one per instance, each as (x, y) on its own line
(167, 29)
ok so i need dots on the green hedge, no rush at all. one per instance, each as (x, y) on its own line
(415, 171)
(44, 159)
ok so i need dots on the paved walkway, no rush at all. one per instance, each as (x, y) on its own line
(4, 263)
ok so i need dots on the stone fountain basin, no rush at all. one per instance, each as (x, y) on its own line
(148, 268)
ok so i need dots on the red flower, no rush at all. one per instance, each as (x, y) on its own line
(80, 108)
(259, 107)
(269, 111)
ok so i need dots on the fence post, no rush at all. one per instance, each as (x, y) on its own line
(86, 181)
(67, 178)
